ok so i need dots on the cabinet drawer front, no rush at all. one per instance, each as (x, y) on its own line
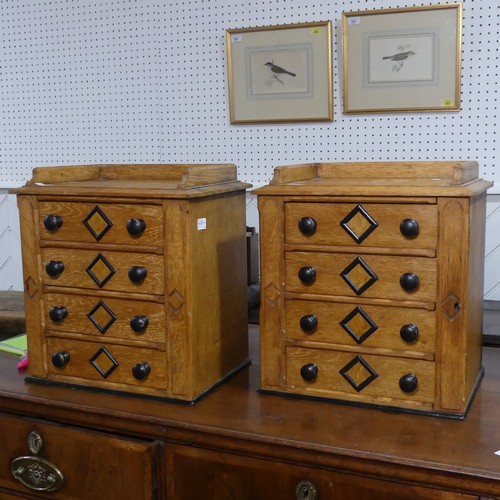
(367, 224)
(374, 276)
(364, 375)
(94, 464)
(107, 363)
(404, 329)
(104, 270)
(103, 223)
(105, 316)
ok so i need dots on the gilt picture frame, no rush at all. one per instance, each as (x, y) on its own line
(402, 60)
(280, 74)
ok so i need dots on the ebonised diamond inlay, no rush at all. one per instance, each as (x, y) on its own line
(358, 373)
(359, 276)
(104, 362)
(102, 317)
(359, 224)
(358, 325)
(97, 223)
(100, 270)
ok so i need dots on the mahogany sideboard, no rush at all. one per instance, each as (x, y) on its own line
(238, 443)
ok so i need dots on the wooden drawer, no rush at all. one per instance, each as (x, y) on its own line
(104, 270)
(93, 464)
(105, 316)
(374, 276)
(362, 376)
(106, 363)
(404, 329)
(366, 224)
(223, 475)
(102, 222)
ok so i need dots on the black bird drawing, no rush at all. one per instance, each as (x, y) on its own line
(278, 70)
(400, 56)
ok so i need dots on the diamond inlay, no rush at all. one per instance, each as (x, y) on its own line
(102, 317)
(359, 224)
(100, 270)
(358, 325)
(451, 307)
(175, 300)
(358, 373)
(97, 223)
(359, 276)
(104, 362)
(271, 294)
(31, 287)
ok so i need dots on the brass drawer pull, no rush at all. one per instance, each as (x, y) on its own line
(305, 490)
(37, 473)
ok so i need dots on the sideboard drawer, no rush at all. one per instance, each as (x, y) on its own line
(364, 224)
(92, 464)
(105, 316)
(377, 276)
(331, 374)
(103, 270)
(106, 363)
(125, 224)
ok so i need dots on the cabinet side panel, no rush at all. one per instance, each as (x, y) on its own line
(272, 303)
(28, 216)
(451, 303)
(475, 290)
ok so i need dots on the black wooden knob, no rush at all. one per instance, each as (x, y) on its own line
(309, 323)
(61, 358)
(409, 332)
(57, 314)
(54, 267)
(409, 281)
(307, 226)
(139, 323)
(409, 228)
(141, 370)
(307, 274)
(135, 227)
(137, 273)
(52, 222)
(309, 372)
(408, 382)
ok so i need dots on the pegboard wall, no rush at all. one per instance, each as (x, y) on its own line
(93, 81)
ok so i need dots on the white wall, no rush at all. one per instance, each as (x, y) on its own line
(99, 81)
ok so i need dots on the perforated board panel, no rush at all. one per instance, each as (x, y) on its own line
(93, 81)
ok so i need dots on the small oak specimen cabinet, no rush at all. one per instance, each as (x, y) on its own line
(135, 276)
(372, 283)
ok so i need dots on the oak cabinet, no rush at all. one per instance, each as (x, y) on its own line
(372, 283)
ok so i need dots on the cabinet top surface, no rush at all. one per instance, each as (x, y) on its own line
(320, 429)
(423, 178)
(138, 180)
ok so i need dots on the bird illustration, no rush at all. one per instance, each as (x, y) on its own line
(278, 70)
(400, 56)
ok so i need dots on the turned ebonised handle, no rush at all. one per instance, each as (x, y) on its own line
(139, 323)
(309, 323)
(409, 281)
(57, 314)
(52, 222)
(61, 358)
(307, 275)
(137, 273)
(54, 267)
(136, 227)
(409, 332)
(408, 382)
(141, 370)
(307, 226)
(409, 228)
(309, 372)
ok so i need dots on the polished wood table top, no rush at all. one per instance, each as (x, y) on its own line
(442, 452)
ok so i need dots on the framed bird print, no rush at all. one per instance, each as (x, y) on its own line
(280, 73)
(403, 59)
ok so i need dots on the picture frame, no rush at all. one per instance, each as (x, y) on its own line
(280, 74)
(402, 59)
